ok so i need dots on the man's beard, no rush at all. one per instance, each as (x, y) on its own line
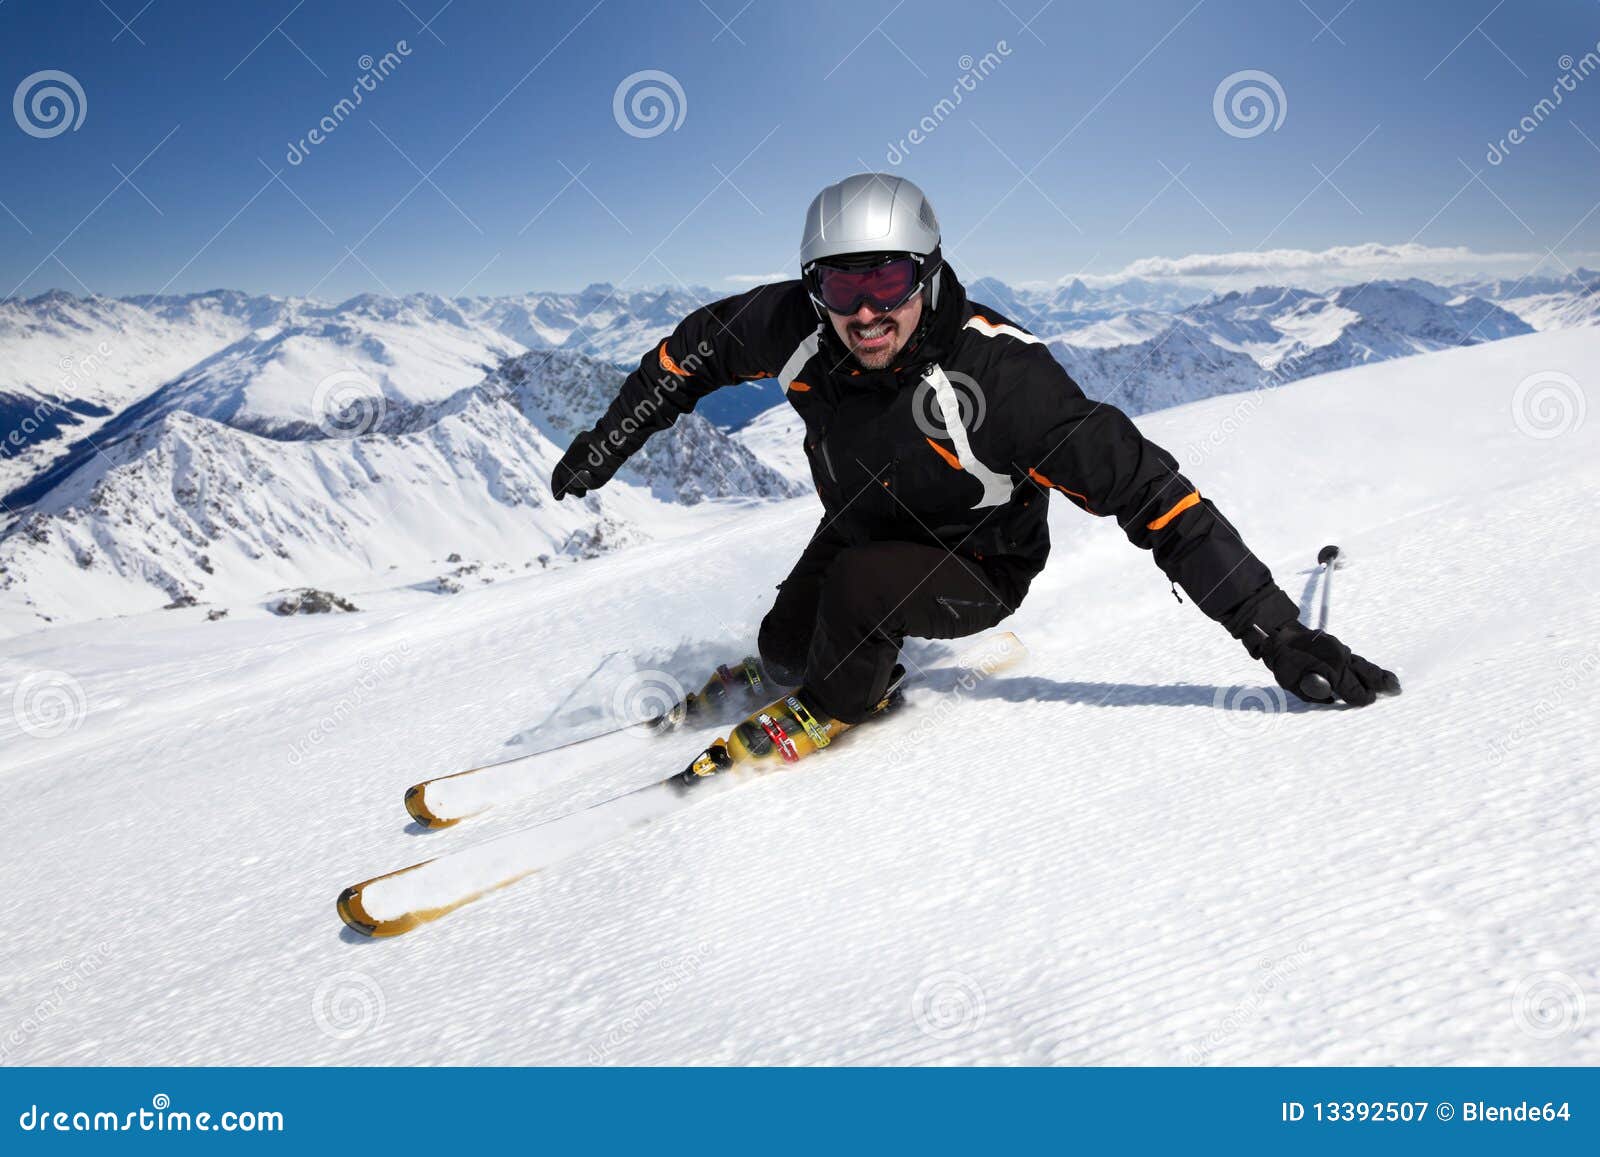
(875, 346)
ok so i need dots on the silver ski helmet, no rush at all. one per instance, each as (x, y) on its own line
(866, 221)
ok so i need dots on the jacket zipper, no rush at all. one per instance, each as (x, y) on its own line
(827, 459)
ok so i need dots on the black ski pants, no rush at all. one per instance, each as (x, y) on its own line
(842, 614)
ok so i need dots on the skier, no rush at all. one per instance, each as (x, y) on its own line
(933, 510)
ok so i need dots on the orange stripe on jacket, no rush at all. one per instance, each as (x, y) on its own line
(1190, 499)
(800, 387)
(950, 459)
(668, 364)
(980, 324)
(1043, 481)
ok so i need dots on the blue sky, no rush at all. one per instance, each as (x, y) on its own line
(490, 160)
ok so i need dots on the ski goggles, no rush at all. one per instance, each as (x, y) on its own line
(884, 287)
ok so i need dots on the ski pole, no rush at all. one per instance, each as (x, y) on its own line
(1314, 686)
(1328, 556)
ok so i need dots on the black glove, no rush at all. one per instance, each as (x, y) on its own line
(584, 467)
(1293, 652)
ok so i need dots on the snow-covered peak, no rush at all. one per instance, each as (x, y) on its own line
(1125, 329)
(1263, 299)
(1060, 307)
(600, 319)
(1246, 339)
(562, 393)
(413, 308)
(218, 490)
(69, 363)
(315, 373)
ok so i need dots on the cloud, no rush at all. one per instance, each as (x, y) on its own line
(1337, 263)
(755, 278)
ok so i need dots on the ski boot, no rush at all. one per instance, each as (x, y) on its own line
(784, 731)
(730, 686)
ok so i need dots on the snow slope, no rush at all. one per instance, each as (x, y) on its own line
(777, 437)
(1103, 857)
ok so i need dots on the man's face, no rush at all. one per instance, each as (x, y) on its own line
(873, 337)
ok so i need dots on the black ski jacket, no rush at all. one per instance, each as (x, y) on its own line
(957, 444)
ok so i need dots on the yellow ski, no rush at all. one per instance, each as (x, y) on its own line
(772, 738)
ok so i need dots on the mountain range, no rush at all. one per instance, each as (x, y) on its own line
(223, 486)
